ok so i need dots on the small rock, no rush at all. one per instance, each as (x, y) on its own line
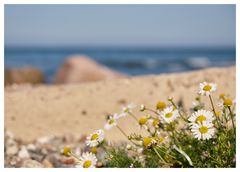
(37, 156)
(10, 142)
(31, 164)
(23, 153)
(43, 140)
(12, 150)
(31, 147)
(44, 151)
(68, 161)
(9, 134)
(47, 164)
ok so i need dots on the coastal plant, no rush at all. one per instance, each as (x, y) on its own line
(201, 137)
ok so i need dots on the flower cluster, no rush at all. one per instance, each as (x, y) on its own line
(164, 135)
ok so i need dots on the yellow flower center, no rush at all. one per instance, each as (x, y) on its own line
(200, 119)
(142, 121)
(87, 164)
(218, 113)
(227, 102)
(155, 122)
(111, 121)
(67, 151)
(93, 150)
(161, 105)
(169, 115)
(94, 136)
(207, 87)
(222, 96)
(126, 109)
(161, 139)
(203, 129)
(147, 141)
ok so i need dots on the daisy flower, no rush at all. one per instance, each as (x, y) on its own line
(201, 116)
(161, 105)
(126, 110)
(203, 131)
(67, 151)
(87, 160)
(207, 88)
(95, 138)
(160, 138)
(143, 121)
(112, 121)
(226, 102)
(154, 122)
(169, 114)
(142, 107)
(148, 142)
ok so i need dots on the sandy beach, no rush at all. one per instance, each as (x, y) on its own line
(54, 110)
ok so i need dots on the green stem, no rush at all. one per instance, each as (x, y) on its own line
(214, 111)
(165, 152)
(160, 157)
(231, 114)
(124, 134)
(179, 111)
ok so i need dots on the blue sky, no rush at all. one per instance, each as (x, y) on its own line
(120, 25)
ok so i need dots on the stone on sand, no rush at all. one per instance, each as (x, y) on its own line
(78, 68)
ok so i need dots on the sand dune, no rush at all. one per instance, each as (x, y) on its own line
(32, 112)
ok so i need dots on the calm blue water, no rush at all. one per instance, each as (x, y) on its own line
(131, 61)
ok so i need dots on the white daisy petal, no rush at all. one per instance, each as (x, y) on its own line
(111, 122)
(204, 130)
(200, 116)
(87, 160)
(206, 89)
(95, 138)
(169, 114)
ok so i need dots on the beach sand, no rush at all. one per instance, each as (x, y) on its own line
(53, 110)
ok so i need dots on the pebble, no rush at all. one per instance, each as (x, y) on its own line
(31, 164)
(23, 153)
(43, 152)
(47, 164)
(12, 150)
(43, 140)
(31, 147)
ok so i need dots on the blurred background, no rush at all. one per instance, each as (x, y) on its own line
(130, 39)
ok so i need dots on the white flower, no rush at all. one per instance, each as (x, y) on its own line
(200, 116)
(95, 138)
(206, 88)
(122, 114)
(87, 160)
(169, 114)
(203, 131)
(128, 108)
(142, 107)
(112, 121)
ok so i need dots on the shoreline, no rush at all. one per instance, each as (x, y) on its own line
(54, 110)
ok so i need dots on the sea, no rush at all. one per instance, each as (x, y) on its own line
(132, 61)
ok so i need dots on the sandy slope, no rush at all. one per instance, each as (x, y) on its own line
(54, 110)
